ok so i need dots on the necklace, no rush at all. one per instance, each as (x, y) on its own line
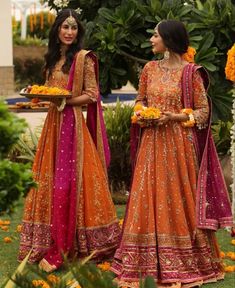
(163, 65)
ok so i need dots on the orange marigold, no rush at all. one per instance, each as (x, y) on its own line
(222, 254)
(230, 268)
(230, 65)
(138, 107)
(7, 239)
(105, 266)
(4, 228)
(53, 278)
(40, 283)
(5, 222)
(189, 55)
(36, 89)
(121, 222)
(19, 228)
(150, 113)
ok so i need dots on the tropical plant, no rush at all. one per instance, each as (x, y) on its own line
(118, 120)
(222, 136)
(15, 178)
(26, 146)
(79, 275)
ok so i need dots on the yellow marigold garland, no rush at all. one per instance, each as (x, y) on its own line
(142, 113)
(36, 89)
(189, 55)
(230, 65)
(191, 121)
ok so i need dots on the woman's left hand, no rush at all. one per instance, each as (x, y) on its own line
(165, 118)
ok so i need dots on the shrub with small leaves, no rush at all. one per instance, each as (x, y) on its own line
(15, 178)
(118, 121)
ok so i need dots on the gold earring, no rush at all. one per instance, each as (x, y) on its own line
(166, 54)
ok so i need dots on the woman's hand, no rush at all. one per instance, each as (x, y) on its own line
(165, 118)
(169, 116)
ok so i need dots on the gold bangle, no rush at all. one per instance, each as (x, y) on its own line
(191, 121)
(62, 105)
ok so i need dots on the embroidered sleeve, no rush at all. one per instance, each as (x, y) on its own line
(142, 91)
(90, 86)
(201, 107)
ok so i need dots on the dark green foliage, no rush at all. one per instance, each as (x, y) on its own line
(120, 32)
(222, 136)
(28, 71)
(88, 275)
(15, 178)
(118, 121)
(10, 129)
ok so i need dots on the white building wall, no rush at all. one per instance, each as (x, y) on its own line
(6, 58)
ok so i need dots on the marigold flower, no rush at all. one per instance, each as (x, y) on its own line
(4, 228)
(189, 55)
(134, 118)
(230, 65)
(72, 283)
(7, 240)
(222, 254)
(150, 113)
(229, 254)
(53, 278)
(40, 283)
(19, 228)
(105, 266)
(121, 222)
(230, 268)
(233, 242)
(138, 107)
(5, 222)
(36, 89)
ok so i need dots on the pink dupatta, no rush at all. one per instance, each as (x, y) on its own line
(213, 207)
(67, 170)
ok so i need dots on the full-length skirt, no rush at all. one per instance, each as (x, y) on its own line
(159, 236)
(72, 207)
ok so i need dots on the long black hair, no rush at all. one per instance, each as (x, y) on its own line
(53, 54)
(174, 35)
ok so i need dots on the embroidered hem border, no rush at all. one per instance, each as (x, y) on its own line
(171, 264)
(103, 239)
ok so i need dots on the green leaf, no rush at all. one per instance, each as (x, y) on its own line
(19, 270)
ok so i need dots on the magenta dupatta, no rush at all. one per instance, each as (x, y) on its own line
(65, 185)
(212, 202)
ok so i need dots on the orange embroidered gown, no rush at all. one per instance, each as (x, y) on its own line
(95, 218)
(160, 237)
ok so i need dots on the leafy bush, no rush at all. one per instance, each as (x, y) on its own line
(28, 71)
(222, 136)
(86, 275)
(15, 178)
(10, 129)
(26, 146)
(118, 120)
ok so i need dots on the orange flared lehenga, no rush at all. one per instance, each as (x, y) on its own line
(90, 209)
(160, 237)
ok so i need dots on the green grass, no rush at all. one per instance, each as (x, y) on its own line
(8, 251)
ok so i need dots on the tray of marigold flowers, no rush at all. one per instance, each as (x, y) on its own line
(42, 92)
(145, 116)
